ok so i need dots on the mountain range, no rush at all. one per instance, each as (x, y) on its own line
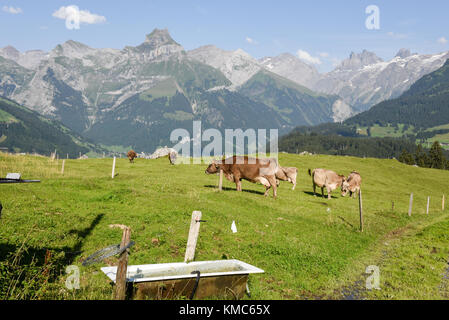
(134, 97)
(419, 116)
(421, 112)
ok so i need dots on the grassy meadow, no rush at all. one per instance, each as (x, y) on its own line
(309, 247)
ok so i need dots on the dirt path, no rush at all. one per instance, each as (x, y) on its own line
(386, 248)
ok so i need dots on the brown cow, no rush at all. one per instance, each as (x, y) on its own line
(326, 178)
(255, 170)
(351, 185)
(172, 157)
(287, 174)
(131, 156)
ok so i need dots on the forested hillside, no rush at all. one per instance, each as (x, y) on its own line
(23, 130)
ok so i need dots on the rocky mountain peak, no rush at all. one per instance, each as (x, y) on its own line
(403, 53)
(72, 49)
(9, 52)
(359, 60)
(159, 37)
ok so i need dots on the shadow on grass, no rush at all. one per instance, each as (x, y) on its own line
(23, 264)
(318, 195)
(39, 252)
(346, 222)
(234, 189)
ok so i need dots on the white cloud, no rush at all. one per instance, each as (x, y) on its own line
(70, 12)
(305, 56)
(251, 41)
(397, 35)
(442, 40)
(323, 54)
(12, 10)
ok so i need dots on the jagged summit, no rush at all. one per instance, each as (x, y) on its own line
(292, 68)
(404, 53)
(359, 60)
(158, 38)
(158, 44)
(72, 49)
(9, 52)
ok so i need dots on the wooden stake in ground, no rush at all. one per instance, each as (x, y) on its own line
(63, 164)
(193, 236)
(120, 277)
(113, 168)
(220, 181)
(410, 205)
(428, 205)
(361, 210)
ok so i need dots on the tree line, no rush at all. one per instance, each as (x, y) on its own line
(433, 158)
(386, 148)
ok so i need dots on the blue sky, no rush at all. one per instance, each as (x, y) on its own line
(323, 32)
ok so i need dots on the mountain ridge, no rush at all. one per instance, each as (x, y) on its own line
(87, 88)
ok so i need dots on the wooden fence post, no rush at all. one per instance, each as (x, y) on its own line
(410, 205)
(361, 210)
(193, 236)
(63, 164)
(428, 205)
(392, 206)
(113, 169)
(220, 181)
(120, 277)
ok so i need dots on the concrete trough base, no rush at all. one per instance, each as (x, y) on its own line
(222, 287)
(225, 279)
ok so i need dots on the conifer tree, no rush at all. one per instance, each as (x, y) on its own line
(437, 159)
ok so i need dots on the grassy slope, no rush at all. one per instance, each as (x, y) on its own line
(309, 247)
(415, 267)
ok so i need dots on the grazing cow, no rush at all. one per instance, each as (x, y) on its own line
(172, 157)
(254, 170)
(131, 156)
(287, 174)
(326, 178)
(351, 185)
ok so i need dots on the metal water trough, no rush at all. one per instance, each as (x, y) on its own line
(221, 278)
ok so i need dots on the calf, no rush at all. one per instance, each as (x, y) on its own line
(326, 179)
(131, 156)
(238, 168)
(351, 185)
(287, 174)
